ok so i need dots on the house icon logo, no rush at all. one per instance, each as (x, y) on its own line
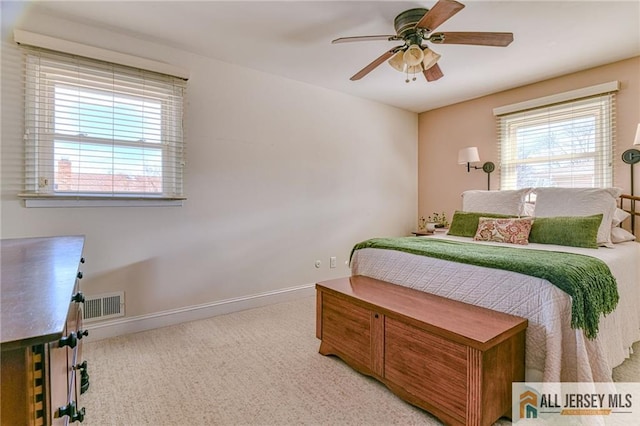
(529, 404)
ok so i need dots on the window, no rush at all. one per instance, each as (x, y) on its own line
(95, 129)
(568, 144)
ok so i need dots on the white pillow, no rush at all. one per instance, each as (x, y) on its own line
(619, 235)
(619, 216)
(509, 202)
(580, 202)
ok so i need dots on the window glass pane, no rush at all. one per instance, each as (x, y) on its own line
(87, 167)
(566, 145)
(102, 114)
(566, 173)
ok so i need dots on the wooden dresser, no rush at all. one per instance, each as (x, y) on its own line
(43, 373)
(450, 358)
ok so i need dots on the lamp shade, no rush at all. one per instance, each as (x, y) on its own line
(468, 155)
(430, 58)
(636, 141)
(397, 62)
(413, 55)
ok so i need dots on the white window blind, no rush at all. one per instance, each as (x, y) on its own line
(97, 129)
(568, 144)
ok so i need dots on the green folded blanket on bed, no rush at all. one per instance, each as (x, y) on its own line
(586, 279)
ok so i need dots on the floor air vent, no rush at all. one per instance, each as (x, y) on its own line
(104, 306)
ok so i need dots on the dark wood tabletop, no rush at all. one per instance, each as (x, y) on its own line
(37, 281)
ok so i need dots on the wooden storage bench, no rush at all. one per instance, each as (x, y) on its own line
(455, 360)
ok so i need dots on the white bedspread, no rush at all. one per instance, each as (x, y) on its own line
(554, 351)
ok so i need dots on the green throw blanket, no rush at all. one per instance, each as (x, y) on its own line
(587, 280)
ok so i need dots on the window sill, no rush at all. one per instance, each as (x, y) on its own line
(98, 201)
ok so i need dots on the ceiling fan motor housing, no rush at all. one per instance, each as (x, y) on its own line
(405, 25)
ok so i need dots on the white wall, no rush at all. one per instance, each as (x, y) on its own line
(279, 174)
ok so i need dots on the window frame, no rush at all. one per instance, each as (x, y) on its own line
(39, 188)
(595, 101)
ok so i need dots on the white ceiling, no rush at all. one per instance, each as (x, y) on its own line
(293, 40)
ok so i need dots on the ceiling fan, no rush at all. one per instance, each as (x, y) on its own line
(415, 26)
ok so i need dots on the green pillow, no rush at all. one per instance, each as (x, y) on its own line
(574, 231)
(465, 224)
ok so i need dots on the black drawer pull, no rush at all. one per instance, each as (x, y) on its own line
(78, 297)
(70, 410)
(66, 410)
(80, 275)
(71, 340)
(82, 333)
(82, 260)
(79, 416)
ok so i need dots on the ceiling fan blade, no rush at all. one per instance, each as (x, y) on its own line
(475, 38)
(439, 13)
(366, 70)
(365, 38)
(433, 73)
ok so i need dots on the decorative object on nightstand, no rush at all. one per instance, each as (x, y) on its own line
(439, 220)
(470, 155)
(431, 224)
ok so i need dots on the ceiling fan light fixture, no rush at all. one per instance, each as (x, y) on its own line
(397, 62)
(413, 55)
(430, 58)
(414, 69)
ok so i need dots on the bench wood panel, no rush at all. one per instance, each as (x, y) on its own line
(450, 358)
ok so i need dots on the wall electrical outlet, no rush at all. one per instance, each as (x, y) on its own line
(332, 262)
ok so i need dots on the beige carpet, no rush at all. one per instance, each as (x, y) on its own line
(256, 367)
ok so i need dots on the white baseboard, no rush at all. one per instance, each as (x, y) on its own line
(120, 326)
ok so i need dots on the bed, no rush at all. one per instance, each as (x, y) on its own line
(555, 351)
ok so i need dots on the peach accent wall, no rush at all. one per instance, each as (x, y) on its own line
(443, 131)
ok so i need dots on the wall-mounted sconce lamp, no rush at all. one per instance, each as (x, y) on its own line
(470, 155)
(632, 156)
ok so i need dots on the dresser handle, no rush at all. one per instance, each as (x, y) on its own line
(82, 260)
(66, 410)
(80, 275)
(70, 410)
(79, 416)
(82, 333)
(78, 297)
(71, 340)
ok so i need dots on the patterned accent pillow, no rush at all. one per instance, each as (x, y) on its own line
(512, 231)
